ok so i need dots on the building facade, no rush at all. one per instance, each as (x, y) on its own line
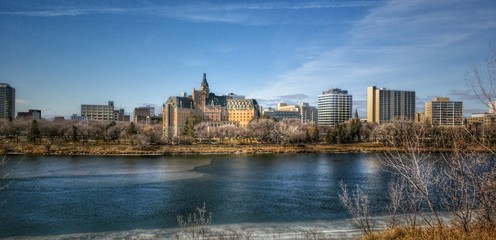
(145, 115)
(443, 112)
(482, 119)
(385, 105)
(30, 114)
(7, 101)
(100, 112)
(242, 111)
(226, 109)
(334, 107)
(303, 111)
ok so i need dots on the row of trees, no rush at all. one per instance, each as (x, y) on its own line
(263, 130)
(42, 131)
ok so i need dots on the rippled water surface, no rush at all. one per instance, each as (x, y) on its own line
(49, 195)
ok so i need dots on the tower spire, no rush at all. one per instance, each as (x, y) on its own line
(204, 85)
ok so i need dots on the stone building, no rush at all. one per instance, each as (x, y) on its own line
(228, 109)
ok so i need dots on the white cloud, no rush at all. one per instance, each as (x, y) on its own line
(21, 101)
(406, 44)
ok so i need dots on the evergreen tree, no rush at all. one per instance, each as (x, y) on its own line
(189, 126)
(34, 132)
(131, 130)
(74, 133)
(316, 134)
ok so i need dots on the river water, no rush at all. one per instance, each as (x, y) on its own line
(61, 195)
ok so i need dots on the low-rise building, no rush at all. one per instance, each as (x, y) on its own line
(103, 112)
(303, 111)
(482, 119)
(146, 115)
(30, 114)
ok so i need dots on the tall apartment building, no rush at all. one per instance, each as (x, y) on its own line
(7, 101)
(334, 107)
(100, 112)
(385, 105)
(217, 110)
(443, 112)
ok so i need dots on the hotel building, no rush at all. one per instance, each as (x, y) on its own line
(334, 107)
(217, 110)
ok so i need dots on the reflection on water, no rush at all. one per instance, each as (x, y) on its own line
(63, 195)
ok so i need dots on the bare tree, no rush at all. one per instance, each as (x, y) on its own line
(483, 81)
(414, 165)
(358, 205)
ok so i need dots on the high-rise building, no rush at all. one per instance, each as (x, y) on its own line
(7, 101)
(334, 107)
(384, 105)
(216, 110)
(443, 112)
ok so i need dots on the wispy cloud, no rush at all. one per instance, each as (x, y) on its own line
(399, 44)
(231, 13)
(462, 95)
(21, 101)
(66, 12)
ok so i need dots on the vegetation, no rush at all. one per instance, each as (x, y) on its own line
(461, 182)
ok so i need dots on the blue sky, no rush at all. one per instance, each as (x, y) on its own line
(61, 54)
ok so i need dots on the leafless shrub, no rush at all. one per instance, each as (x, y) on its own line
(358, 206)
(314, 235)
(195, 226)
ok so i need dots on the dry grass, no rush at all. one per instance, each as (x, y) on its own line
(444, 233)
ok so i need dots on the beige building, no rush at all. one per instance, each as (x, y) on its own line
(482, 119)
(385, 105)
(216, 110)
(443, 112)
(100, 112)
(303, 111)
(242, 111)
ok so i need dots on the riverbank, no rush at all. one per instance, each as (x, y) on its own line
(124, 149)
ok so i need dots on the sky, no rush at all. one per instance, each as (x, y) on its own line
(61, 54)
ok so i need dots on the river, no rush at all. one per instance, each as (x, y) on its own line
(61, 195)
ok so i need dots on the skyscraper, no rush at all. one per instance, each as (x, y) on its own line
(334, 107)
(7, 101)
(385, 105)
(443, 112)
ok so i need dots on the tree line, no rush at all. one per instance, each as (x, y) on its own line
(261, 130)
(85, 132)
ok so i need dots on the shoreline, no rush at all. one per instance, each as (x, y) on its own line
(105, 149)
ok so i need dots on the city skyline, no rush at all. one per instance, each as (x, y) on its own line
(61, 54)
